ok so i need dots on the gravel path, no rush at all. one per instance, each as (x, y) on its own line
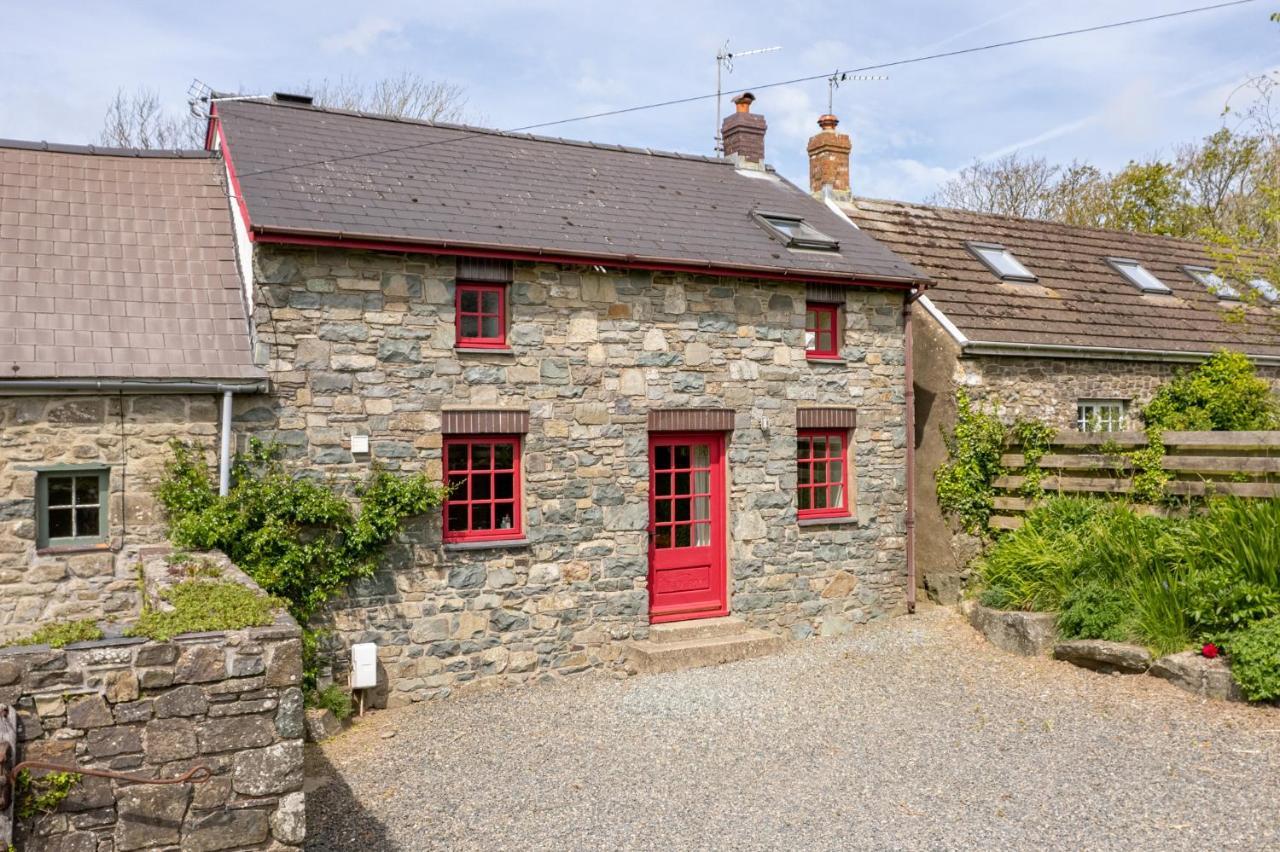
(911, 734)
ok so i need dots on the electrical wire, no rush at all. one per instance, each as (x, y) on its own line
(695, 98)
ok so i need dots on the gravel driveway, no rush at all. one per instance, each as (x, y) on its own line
(911, 734)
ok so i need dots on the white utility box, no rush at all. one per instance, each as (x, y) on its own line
(360, 444)
(364, 665)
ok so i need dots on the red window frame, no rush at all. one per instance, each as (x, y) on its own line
(812, 463)
(474, 489)
(479, 340)
(813, 313)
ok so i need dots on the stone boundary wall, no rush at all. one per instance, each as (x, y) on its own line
(230, 701)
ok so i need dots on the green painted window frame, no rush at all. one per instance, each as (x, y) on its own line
(43, 540)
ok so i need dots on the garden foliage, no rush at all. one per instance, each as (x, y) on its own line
(1224, 394)
(964, 481)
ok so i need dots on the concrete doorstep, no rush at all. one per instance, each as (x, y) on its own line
(703, 642)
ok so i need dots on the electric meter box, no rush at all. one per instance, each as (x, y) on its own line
(364, 665)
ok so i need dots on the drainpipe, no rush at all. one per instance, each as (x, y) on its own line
(909, 396)
(224, 455)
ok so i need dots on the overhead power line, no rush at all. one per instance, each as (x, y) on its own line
(773, 85)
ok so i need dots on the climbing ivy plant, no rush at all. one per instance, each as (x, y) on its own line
(301, 540)
(965, 480)
(1034, 440)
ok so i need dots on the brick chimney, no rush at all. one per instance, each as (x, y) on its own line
(829, 159)
(743, 131)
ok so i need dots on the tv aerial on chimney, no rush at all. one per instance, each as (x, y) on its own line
(724, 64)
(834, 81)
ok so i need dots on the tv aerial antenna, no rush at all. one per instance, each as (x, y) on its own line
(724, 65)
(834, 81)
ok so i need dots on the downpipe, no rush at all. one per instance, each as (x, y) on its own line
(224, 453)
(909, 398)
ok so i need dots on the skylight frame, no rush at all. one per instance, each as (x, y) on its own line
(977, 249)
(1213, 282)
(1126, 265)
(794, 232)
(1265, 290)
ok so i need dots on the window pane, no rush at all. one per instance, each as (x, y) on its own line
(835, 444)
(819, 447)
(490, 328)
(59, 491)
(87, 490)
(662, 510)
(835, 472)
(662, 484)
(683, 508)
(701, 455)
(504, 486)
(470, 301)
(810, 341)
(504, 456)
(702, 535)
(683, 535)
(481, 516)
(682, 483)
(820, 474)
(702, 482)
(702, 508)
(662, 458)
(458, 488)
(60, 523)
(662, 537)
(824, 342)
(804, 448)
(87, 520)
(835, 496)
(470, 327)
(506, 515)
(802, 473)
(682, 455)
(481, 457)
(457, 517)
(805, 499)
(819, 498)
(457, 456)
(480, 487)
(824, 320)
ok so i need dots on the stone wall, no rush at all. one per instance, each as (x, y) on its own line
(229, 701)
(363, 343)
(130, 434)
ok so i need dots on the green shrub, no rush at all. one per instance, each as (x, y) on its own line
(1255, 659)
(1222, 601)
(1035, 566)
(41, 795)
(1222, 394)
(1160, 602)
(1242, 534)
(205, 605)
(59, 634)
(1096, 610)
(964, 480)
(299, 539)
(332, 698)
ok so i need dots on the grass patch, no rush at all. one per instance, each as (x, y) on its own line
(332, 698)
(62, 633)
(201, 605)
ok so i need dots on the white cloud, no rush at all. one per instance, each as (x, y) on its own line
(361, 38)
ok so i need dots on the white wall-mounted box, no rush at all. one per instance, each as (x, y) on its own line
(359, 444)
(364, 665)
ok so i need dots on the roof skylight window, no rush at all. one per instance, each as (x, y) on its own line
(1001, 261)
(795, 232)
(1213, 283)
(1137, 275)
(1266, 290)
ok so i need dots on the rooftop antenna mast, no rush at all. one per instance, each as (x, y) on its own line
(834, 81)
(724, 65)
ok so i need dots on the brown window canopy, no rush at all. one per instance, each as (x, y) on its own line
(484, 269)
(484, 422)
(690, 420)
(827, 293)
(826, 418)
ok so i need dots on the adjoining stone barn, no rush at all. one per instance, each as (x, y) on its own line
(1076, 327)
(662, 387)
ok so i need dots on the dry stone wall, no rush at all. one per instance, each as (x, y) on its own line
(363, 343)
(229, 701)
(128, 434)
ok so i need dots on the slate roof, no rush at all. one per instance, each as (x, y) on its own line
(117, 264)
(306, 170)
(1079, 300)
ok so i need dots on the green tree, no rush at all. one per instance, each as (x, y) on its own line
(1223, 394)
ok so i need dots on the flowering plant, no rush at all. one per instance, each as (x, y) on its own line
(1209, 650)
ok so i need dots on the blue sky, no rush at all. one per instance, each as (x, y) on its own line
(1105, 97)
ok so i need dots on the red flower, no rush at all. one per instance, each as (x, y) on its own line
(1210, 650)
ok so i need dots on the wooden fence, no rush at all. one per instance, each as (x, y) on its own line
(1246, 464)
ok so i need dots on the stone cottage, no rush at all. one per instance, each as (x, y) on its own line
(1073, 326)
(122, 325)
(661, 387)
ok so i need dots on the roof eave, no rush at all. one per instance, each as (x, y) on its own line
(47, 386)
(1107, 353)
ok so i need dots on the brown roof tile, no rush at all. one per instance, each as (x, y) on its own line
(95, 246)
(1079, 299)
(308, 170)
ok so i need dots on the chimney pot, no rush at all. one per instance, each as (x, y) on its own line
(829, 159)
(743, 131)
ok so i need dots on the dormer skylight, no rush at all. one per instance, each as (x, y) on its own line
(1137, 275)
(795, 232)
(1213, 282)
(1266, 290)
(1001, 261)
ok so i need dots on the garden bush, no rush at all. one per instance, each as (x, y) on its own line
(1222, 394)
(1255, 659)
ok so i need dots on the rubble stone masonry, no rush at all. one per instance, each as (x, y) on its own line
(363, 344)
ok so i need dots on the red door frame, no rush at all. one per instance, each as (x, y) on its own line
(707, 601)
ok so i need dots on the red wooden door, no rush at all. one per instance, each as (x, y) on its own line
(687, 576)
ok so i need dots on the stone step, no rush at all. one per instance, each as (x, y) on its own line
(651, 657)
(699, 628)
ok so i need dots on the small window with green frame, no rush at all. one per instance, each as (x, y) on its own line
(71, 506)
